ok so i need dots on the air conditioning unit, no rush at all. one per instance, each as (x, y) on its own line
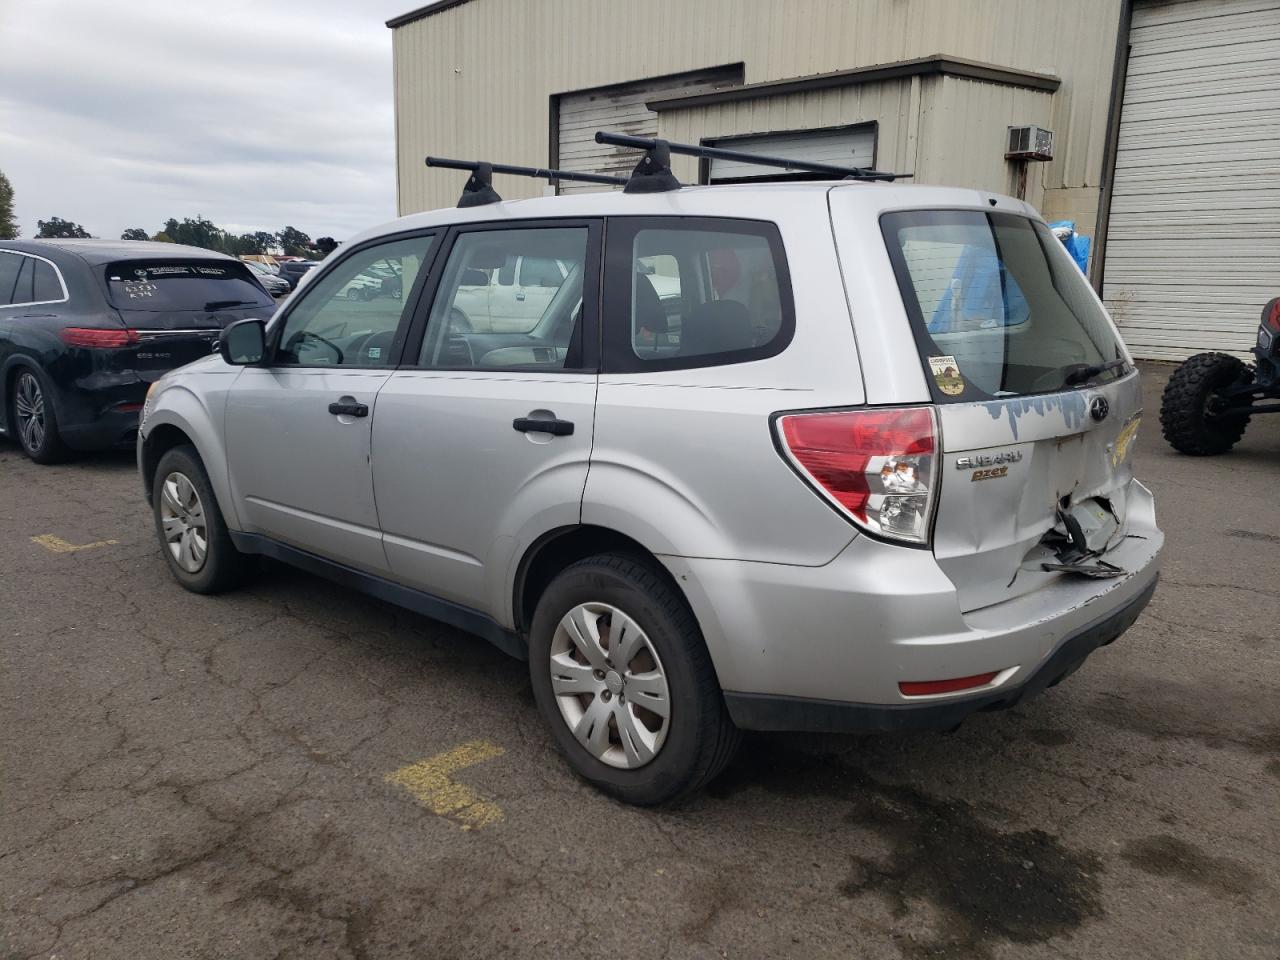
(1029, 143)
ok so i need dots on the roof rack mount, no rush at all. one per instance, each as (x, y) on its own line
(479, 187)
(661, 149)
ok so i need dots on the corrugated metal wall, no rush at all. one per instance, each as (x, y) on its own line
(475, 79)
(1193, 249)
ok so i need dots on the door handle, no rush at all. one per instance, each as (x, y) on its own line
(520, 295)
(558, 428)
(349, 407)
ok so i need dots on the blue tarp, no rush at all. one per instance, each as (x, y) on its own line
(980, 275)
(1077, 245)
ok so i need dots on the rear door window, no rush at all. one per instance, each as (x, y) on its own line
(183, 285)
(10, 265)
(997, 306)
(694, 292)
(478, 325)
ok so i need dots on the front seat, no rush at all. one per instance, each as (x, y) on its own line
(651, 324)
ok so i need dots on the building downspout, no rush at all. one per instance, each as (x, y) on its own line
(1111, 148)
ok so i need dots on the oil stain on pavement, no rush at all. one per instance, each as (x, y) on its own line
(1169, 856)
(988, 886)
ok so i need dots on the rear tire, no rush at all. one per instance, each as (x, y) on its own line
(33, 417)
(662, 758)
(193, 536)
(1185, 416)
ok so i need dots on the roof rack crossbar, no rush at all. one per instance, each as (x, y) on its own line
(479, 188)
(718, 153)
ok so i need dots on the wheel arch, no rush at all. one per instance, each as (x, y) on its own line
(184, 419)
(563, 546)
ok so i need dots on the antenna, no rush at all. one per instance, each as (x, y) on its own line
(479, 187)
(663, 148)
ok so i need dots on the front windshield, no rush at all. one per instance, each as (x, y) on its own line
(997, 306)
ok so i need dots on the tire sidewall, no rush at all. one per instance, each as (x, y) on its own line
(51, 448)
(186, 461)
(677, 760)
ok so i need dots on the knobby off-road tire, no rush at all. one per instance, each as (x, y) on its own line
(1184, 409)
(630, 605)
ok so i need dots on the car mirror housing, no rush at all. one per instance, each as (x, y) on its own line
(243, 343)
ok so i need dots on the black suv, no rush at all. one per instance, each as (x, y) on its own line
(292, 271)
(87, 325)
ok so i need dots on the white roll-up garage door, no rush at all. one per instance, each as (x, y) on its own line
(621, 109)
(1193, 241)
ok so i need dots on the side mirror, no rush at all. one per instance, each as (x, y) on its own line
(474, 278)
(243, 343)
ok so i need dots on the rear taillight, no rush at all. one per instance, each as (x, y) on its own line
(875, 466)
(1271, 315)
(98, 339)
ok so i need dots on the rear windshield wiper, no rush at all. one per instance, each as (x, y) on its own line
(223, 304)
(1081, 374)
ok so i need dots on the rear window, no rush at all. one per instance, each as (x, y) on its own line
(198, 285)
(998, 308)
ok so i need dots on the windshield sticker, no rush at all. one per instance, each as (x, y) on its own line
(138, 289)
(946, 374)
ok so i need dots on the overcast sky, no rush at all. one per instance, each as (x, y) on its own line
(253, 115)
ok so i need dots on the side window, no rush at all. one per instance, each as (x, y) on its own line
(540, 272)
(695, 292)
(24, 290)
(492, 326)
(47, 285)
(10, 264)
(349, 317)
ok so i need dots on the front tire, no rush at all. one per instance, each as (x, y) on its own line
(1186, 415)
(623, 679)
(34, 419)
(193, 536)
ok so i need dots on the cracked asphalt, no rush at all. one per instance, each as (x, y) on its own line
(184, 776)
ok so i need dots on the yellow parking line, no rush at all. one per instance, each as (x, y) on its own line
(56, 544)
(430, 782)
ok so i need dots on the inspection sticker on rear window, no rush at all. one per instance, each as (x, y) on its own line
(946, 374)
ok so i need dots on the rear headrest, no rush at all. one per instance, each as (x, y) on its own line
(717, 326)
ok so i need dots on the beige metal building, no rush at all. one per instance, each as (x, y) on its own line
(1165, 115)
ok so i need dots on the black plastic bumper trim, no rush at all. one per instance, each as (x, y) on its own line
(760, 711)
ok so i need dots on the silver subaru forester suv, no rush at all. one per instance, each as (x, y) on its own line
(804, 456)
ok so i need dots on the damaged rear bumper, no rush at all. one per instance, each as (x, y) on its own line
(753, 711)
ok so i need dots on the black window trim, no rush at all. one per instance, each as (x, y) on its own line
(62, 283)
(618, 354)
(592, 306)
(411, 302)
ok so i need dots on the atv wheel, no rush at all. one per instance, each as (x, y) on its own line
(1187, 409)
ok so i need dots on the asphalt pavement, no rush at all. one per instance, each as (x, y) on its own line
(295, 770)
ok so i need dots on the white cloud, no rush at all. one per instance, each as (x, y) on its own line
(252, 115)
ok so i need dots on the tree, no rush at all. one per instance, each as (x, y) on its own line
(196, 233)
(295, 242)
(135, 233)
(326, 245)
(57, 227)
(162, 237)
(265, 242)
(8, 226)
